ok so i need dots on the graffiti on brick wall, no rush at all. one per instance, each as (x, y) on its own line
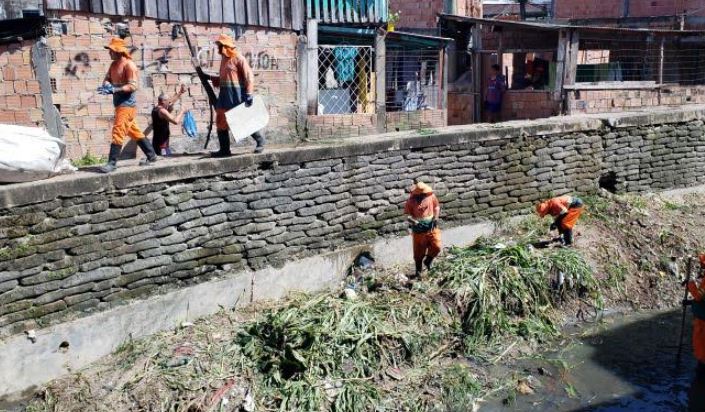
(262, 61)
(80, 62)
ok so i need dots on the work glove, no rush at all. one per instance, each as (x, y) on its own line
(687, 302)
(435, 223)
(106, 89)
(248, 100)
(553, 226)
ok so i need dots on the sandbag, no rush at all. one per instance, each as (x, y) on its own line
(30, 153)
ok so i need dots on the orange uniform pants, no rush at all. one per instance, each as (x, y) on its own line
(221, 122)
(125, 125)
(699, 340)
(426, 244)
(569, 221)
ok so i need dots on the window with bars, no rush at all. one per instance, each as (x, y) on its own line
(345, 79)
(413, 79)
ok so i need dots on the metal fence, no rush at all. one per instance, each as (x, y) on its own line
(413, 80)
(653, 59)
(345, 79)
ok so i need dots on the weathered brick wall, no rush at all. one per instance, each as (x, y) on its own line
(417, 14)
(528, 104)
(80, 63)
(340, 126)
(71, 247)
(20, 101)
(461, 106)
(605, 101)
(422, 119)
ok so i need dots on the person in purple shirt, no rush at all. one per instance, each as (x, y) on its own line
(493, 98)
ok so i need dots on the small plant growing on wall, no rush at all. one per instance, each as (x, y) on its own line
(393, 19)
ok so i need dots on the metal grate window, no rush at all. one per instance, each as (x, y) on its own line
(413, 80)
(345, 79)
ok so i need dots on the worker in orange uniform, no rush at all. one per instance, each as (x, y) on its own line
(697, 291)
(121, 82)
(566, 211)
(236, 83)
(423, 211)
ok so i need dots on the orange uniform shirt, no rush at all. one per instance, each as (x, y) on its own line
(121, 72)
(235, 80)
(557, 206)
(421, 210)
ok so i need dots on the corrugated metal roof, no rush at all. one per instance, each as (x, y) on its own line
(555, 27)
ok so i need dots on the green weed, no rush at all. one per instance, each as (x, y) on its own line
(88, 160)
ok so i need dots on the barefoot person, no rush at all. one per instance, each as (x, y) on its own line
(423, 211)
(566, 211)
(236, 83)
(121, 82)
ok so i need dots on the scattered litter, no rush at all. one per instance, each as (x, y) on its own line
(349, 294)
(31, 335)
(185, 325)
(524, 388)
(395, 373)
(248, 405)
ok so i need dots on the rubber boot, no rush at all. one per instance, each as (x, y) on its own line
(224, 142)
(419, 268)
(148, 150)
(427, 262)
(112, 159)
(259, 138)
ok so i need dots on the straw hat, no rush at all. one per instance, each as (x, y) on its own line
(421, 188)
(226, 41)
(118, 46)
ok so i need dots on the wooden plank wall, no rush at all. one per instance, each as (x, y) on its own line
(347, 11)
(285, 14)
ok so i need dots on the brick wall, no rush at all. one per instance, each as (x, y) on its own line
(332, 126)
(417, 14)
(604, 101)
(460, 108)
(66, 250)
(528, 104)
(81, 63)
(423, 119)
(20, 102)
(469, 8)
(340, 126)
(580, 9)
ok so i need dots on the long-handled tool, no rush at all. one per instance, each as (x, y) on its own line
(205, 81)
(689, 267)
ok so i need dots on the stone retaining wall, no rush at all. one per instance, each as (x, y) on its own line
(85, 243)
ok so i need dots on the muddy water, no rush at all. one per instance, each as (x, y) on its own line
(624, 363)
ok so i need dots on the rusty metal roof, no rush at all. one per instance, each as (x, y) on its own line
(526, 25)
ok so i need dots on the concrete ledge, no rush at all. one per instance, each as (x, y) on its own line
(195, 167)
(25, 365)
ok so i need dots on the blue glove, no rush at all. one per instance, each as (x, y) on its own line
(106, 89)
(248, 100)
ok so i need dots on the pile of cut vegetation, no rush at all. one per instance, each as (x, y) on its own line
(390, 346)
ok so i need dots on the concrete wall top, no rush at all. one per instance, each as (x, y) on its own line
(14, 195)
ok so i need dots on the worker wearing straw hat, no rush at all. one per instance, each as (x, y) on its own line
(236, 83)
(423, 211)
(121, 82)
(566, 211)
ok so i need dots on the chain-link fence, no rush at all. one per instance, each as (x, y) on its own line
(345, 79)
(413, 80)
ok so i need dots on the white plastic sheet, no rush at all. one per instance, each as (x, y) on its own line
(243, 120)
(30, 153)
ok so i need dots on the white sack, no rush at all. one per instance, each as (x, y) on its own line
(243, 120)
(30, 153)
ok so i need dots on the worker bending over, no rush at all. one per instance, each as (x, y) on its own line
(423, 211)
(236, 83)
(697, 291)
(566, 211)
(121, 82)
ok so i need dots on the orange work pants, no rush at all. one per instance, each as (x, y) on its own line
(426, 244)
(125, 125)
(569, 221)
(221, 123)
(699, 340)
